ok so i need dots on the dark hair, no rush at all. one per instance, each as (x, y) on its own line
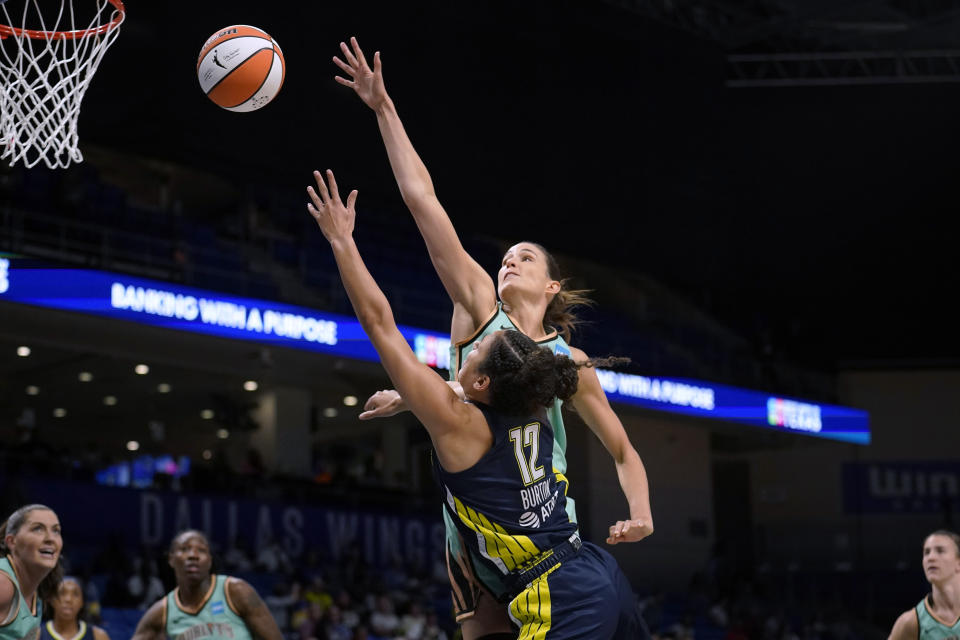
(525, 376)
(82, 614)
(195, 532)
(48, 586)
(560, 311)
(947, 534)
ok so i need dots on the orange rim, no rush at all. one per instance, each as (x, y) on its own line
(7, 31)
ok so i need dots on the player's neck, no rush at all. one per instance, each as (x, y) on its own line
(192, 592)
(66, 628)
(528, 318)
(946, 599)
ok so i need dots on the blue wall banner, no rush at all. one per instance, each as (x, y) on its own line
(901, 487)
(92, 514)
(173, 306)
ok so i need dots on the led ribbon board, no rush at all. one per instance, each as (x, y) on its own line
(720, 402)
(189, 309)
(172, 306)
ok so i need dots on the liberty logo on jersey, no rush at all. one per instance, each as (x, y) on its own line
(207, 630)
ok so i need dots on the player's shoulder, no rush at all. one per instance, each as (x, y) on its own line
(99, 633)
(907, 626)
(576, 353)
(154, 617)
(7, 592)
(238, 592)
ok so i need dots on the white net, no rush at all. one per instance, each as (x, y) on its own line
(46, 65)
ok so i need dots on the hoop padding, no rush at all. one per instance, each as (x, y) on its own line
(45, 73)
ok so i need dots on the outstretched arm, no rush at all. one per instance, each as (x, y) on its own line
(439, 409)
(389, 402)
(467, 284)
(252, 610)
(592, 405)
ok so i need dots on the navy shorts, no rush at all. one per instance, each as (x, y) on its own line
(583, 597)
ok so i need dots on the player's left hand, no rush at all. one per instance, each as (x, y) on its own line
(335, 218)
(629, 531)
(383, 404)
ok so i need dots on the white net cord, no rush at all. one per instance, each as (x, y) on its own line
(45, 78)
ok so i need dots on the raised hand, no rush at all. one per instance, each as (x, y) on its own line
(334, 218)
(383, 404)
(367, 82)
(629, 531)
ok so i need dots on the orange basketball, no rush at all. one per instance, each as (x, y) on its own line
(241, 68)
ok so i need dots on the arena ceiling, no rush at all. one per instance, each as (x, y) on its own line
(814, 218)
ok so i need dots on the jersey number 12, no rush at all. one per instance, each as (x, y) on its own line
(522, 438)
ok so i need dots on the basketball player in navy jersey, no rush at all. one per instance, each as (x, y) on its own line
(493, 457)
(67, 623)
(530, 296)
(205, 605)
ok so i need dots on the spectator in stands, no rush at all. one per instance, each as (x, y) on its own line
(432, 630)
(144, 586)
(67, 622)
(348, 610)
(316, 593)
(361, 633)
(280, 601)
(91, 596)
(413, 622)
(312, 628)
(272, 558)
(334, 624)
(383, 620)
(237, 558)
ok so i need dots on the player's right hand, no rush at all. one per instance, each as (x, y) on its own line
(629, 531)
(383, 404)
(367, 82)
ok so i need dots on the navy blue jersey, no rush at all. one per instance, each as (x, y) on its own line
(510, 507)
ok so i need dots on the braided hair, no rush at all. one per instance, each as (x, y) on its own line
(10, 527)
(525, 376)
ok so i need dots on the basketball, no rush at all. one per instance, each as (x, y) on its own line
(241, 68)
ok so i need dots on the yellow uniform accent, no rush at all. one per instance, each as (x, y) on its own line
(531, 609)
(513, 551)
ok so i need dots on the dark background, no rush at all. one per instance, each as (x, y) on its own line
(820, 217)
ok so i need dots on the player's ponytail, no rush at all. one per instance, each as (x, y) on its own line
(561, 310)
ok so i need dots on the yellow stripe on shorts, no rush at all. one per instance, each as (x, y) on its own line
(531, 609)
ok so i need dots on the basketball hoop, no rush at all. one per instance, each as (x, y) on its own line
(45, 69)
